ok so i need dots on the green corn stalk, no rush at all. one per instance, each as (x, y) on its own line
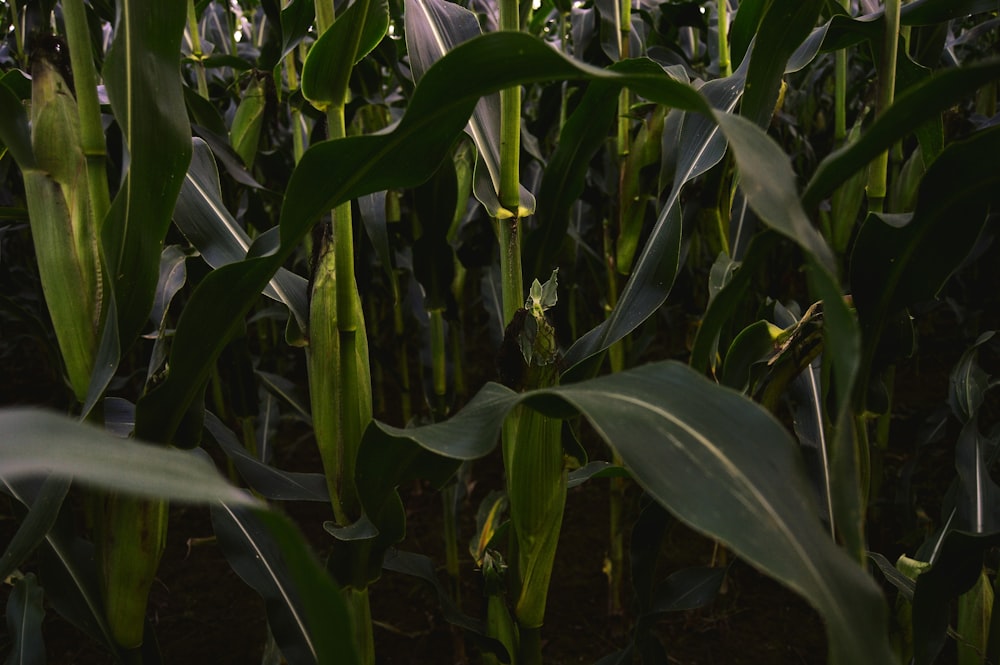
(62, 225)
(878, 171)
(132, 535)
(536, 473)
(339, 368)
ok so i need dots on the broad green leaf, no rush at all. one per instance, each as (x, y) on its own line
(306, 611)
(352, 36)
(766, 177)
(715, 474)
(433, 28)
(142, 77)
(204, 220)
(24, 623)
(911, 109)
(37, 443)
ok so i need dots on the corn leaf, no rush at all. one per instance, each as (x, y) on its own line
(204, 220)
(41, 517)
(434, 27)
(911, 109)
(37, 443)
(142, 77)
(716, 474)
(306, 611)
(352, 36)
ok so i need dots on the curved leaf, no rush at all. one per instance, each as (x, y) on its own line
(268, 481)
(36, 443)
(715, 473)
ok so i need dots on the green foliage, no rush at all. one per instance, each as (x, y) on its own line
(185, 263)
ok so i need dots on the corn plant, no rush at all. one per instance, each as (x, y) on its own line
(215, 194)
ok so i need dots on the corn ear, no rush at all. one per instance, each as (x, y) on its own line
(536, 487)
(339, 381)
(62, 225)
(132, 538)
(533, 458)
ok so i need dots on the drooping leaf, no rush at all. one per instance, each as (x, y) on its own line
(24, 623)
(359, 165)
(36, 443)
(306, 611)
(663, 420)
(142, 77)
